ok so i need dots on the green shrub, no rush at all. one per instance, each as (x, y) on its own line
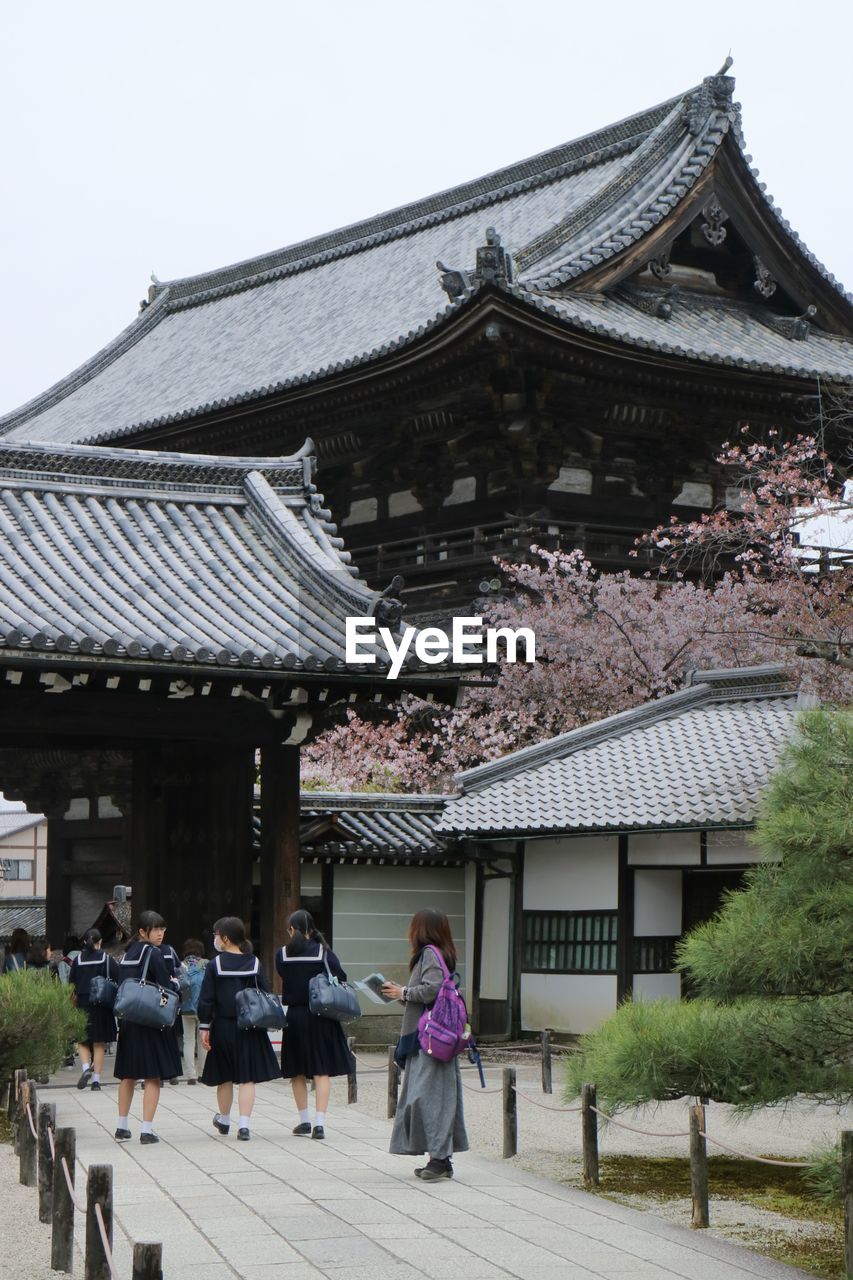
(824, 1177)
(37, 1021)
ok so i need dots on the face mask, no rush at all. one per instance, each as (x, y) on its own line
(217, 943)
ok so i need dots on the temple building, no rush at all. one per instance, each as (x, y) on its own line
(552, 353)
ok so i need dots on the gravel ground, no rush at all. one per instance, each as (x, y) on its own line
(25, 1240)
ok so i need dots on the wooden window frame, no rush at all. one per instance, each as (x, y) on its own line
(570, 941)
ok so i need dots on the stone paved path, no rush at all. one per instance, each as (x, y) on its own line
(286, 1208)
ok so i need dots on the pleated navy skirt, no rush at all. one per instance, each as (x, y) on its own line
(241, 1057)
(144, 1053)
(100, 1023)
(313, 1046)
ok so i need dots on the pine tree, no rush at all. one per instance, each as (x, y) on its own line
(772, 973)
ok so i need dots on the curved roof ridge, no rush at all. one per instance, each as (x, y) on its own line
(546, 166)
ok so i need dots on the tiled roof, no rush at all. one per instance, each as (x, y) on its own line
(22, 913)
(392, 827)
(696, 758)
(204, 562)
(12, 823)
(351, 297)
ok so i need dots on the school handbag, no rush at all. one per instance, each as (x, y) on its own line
(259, 1009)
(330, 998)
(145, 1003)
(443, 1030)
(102, 989)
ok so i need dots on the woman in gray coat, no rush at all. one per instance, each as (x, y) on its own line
(429, 1114)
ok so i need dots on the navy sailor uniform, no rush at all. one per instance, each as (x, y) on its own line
(86, 965)
(144, 1053)
(310, 1046)
(239, 1057)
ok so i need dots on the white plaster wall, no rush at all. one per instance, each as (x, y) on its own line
(29, 845)
(572, 874)
(657, 986)
(664, 849)
(568, 1002)
(730, 847)
(657, 903)
(494, 972)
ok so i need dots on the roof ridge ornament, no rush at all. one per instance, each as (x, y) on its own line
(494, 266)
(715, 93)
(764, 282)
(714, 215)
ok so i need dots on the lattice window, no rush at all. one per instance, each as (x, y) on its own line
(16, 868)
(569, 942)
(654, 955)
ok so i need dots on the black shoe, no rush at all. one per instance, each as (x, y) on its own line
(85, 1079)
(243, 1135)
(175, 1080)
(318, 1132)
(434, 1171)
(96, 1086)
(221, 1126)
(123, 1135)
(147, 1138)
(302, 1130)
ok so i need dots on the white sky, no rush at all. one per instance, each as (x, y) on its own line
(183, 136)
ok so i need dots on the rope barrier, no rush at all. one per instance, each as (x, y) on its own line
(33, 1130)
(108, 1253)
(81, 1208)
(472, 1088)
(543, 1105)
(647, 1133)
(52, 1143)
(784, 1164)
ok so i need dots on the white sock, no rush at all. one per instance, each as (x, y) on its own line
(305, 1116)
(320, 1119)
(223, 1119)
(87, 1066)
(123, 1122)
(96, 1077)
(147, 1126)
(245, 1121)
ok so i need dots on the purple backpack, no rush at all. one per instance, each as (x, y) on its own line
(443, 1030)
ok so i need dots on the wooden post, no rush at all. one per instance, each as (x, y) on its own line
(698, 1168)
(46, 1120)
(547, 1086)
(393, 1082)
(352, 1080)
(847, 1198)
(11, 1098)
(589, 1133)
(28, 1144)
(62, 1237)
(99, 1190)
(510, 1113)
(281, 892)
(147, 1262)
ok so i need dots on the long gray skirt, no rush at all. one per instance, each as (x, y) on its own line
(430, 1117)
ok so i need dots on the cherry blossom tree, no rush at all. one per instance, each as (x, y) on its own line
(734, 589)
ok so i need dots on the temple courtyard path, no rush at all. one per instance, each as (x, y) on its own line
(287, 1208)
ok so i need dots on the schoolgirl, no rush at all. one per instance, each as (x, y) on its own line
(93, 962)
(244, 1058)
(312, 1048)
(173, 964)
(144, 1053)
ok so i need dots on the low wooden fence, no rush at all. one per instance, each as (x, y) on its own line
(48, 1160)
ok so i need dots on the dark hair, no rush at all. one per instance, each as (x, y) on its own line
(192, 947)
(149, 920)
(90, 938)
(20, 941)
(306, 930)
(431, 928)
(232, 928)
(72, 942)
(37, 955)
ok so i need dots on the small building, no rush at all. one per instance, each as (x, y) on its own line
(23, 853)
(598, 850)
(369, 862)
